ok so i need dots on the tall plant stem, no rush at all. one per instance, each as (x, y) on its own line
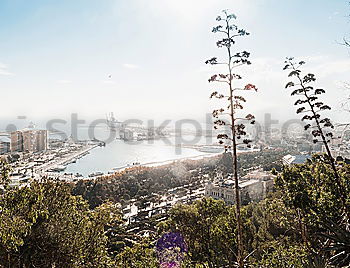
(234, 159)
(331, 160)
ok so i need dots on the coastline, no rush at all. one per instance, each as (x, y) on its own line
(76, 174)
(166, 162)
(44, 170)
(170, 161)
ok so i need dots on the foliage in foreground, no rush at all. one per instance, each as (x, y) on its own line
(312, 191)
(43, 225)
(300, 225)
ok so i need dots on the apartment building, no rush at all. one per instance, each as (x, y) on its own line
(29, 140)
(5, 142)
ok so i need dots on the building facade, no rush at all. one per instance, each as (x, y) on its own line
(252, 187)
(29, 140)
(5, 143)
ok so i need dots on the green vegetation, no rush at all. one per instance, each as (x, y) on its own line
(4, 174)
(140, 256)
(141, 182)
(44, 225)
(267, 160)
(283, 230)
(300, 225)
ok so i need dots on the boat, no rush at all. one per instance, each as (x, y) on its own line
(95, 174)
(57, 168)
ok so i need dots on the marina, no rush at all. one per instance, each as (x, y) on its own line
(97, 154)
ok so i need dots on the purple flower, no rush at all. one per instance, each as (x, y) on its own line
(171, 250)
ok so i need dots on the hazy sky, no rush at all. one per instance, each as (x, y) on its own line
(56, 56)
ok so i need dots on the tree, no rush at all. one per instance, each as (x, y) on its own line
(310, 105)
(269, 227)
(235, 102)
(309, 189)
(208, 229)
(271, 233)
(285, 254)
(44, 225)
(139, 256)
(4, 174)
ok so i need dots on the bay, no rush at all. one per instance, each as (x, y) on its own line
(119, 153)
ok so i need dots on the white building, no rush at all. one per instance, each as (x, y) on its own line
(253, 187)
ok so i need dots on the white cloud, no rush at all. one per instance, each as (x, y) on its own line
(64, 81)
(110, 82)
(131, 66)
(331, 66)
(4, 70)
(334, 14)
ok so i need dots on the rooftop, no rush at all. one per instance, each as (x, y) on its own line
(5, 139)
(242, 183)
(295, 159)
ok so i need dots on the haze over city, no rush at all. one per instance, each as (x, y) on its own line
(145, 59)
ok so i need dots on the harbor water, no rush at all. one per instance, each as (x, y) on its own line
(118, 153)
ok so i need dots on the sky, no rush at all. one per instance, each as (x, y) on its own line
(145, 58)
